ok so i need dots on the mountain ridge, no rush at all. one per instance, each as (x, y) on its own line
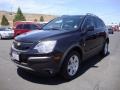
(28, 16)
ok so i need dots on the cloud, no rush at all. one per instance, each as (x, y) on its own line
(34, 6)
(7, 1)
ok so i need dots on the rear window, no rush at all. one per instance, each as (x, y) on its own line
(99, 23)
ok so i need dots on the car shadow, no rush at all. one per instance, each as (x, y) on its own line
(46, 79)
(7, 39)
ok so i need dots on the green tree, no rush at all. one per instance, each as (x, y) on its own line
(41, 19)
(19, 16)
(4, 21)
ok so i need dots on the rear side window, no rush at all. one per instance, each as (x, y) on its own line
(34, 27)
(99, 23)
(27, 26)
(102, 23)
(20, 26)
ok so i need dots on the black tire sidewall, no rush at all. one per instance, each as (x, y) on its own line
(103, 51)
(0, 37)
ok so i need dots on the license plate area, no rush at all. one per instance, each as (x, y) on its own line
(15, 56)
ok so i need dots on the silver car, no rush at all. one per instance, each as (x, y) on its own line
(6, 33)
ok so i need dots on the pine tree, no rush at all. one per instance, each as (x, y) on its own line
(19, 16)
(41, 19)
(4, 21)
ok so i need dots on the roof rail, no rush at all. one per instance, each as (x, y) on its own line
(91, 14)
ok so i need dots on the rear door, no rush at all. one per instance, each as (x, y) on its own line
(100, 32)
(22, 28)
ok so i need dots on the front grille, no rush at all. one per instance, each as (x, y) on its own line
(23, 58)
(11, 34)
(22, 45)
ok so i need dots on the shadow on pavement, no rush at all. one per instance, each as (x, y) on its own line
(7, 39)
(48, 80)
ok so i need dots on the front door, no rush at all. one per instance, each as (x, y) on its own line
(89, 37)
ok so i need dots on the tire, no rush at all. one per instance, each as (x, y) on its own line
(71, 65)
(0, 37)
(112, 32)
(105, 49)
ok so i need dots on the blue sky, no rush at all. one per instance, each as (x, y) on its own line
(108, 10)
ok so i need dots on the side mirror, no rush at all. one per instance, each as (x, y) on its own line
(90, 28)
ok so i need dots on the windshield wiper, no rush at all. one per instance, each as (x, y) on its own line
(52, 29)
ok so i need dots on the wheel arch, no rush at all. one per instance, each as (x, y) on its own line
(107, 40)
(72, 48)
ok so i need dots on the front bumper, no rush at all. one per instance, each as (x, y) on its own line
(7, 36)
(37, 62)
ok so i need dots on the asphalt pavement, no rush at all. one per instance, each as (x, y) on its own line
(97, 73)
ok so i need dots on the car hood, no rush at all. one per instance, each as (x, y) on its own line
(37, 35)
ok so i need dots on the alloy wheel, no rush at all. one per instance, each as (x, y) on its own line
(73, 65)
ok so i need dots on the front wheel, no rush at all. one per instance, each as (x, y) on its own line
(71, 65)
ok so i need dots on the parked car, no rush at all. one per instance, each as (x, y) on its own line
(6, 33)
(110, 30)
(119, 29)
(25, 26)
(115, 28)
(62, 45)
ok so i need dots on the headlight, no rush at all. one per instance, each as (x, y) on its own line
(45, 46)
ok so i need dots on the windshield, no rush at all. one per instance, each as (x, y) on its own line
(64, 23)
(5, 29)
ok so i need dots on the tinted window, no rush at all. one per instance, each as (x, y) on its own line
(87, 23)
(20, 26)
(102, 23)
(27, 26)
(99, 23)
(33, 27)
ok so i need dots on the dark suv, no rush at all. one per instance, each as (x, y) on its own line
(62, 45)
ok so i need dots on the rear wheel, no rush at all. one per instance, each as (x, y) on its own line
(71, 65)
(0, 37)
(105, 49)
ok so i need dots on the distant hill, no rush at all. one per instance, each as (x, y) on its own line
(28, 16)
